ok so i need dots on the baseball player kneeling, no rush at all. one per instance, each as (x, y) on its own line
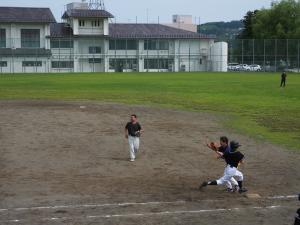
(233, 158)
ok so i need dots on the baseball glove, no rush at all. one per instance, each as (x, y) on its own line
(213, 146)
(138, 134)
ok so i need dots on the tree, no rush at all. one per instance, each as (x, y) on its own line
(248, 21)
(281, 21)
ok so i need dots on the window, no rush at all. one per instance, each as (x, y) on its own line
(30, 38)
(32, 63)
(94, 50)
(156, 64)
(2, 38)
(112, 44)
(3, 63)
(62, 64)
(132, 45)
(150, 45)
(123, 44)
(65, 43)
(93, 60)
(120, 64)
(156, 45)
(81, 23)
(96, 23)
(163, 45)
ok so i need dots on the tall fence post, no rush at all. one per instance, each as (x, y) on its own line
(253, 54)
(189, 55)
(264, 55)
(242, 51)
(287, 54)
(275, 55)
(298, 56)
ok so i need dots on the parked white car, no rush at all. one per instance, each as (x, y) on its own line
(233, 66)
(255, 67)
(244, 67)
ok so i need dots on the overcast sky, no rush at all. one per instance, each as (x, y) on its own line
(128, 10)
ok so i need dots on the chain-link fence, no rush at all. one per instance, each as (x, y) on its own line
(99, 55)
(265, 55)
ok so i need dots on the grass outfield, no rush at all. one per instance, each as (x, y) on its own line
(252, 102)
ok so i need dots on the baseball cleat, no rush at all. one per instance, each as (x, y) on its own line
(204, 184)
(131, 160)
(236, 188)
(229, 190)
(242, 190)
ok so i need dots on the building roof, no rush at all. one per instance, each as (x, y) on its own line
(26, 15)
(138, 31)
(60, 30)
(86, 13)
(134, 31)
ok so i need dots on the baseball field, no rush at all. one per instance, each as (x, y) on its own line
(64, 158)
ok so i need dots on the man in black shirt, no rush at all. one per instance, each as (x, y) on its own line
(133, 131)
(233, 158)
(224, 147)
(283, 79)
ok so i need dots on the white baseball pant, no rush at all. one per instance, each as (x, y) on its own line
(228, 178)
(134, 144)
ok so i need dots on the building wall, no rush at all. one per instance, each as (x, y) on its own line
(182, 26)
(13, 34)
(88, 29)
(15, 65)
(82, 55)
(183, 54)
(184, 22)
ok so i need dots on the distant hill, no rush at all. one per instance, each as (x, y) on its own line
(223, 30)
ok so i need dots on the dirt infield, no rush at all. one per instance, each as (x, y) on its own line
(61, 163)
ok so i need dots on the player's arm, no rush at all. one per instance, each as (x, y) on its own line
(215, 148)
(219, 154)
(242, 161)
(140, 129)
(126, 131)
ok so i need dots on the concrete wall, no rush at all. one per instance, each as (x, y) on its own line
(187, 27)
(13, 34)
(88, 29)
(184, 55)
(15, 65)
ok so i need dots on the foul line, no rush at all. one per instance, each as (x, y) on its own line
(91, 205)
(123, 204)
(164, 213)
(283, 197)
